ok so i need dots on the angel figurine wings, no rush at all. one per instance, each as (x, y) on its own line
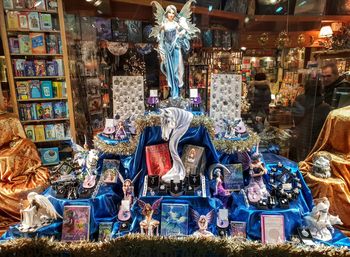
(149, 226)
(39, 213)
(173, 32)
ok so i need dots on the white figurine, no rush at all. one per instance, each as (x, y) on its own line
(174, 124)
(173, 32)
(320, 222)
(202, 222)
(39, 213)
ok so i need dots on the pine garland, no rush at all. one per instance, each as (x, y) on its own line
(136, 245)
(222, 145)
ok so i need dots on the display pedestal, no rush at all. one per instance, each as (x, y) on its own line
(334, 140)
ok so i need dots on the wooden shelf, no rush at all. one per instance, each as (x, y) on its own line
(332, 52)
(300, 18)
(42, 99)
(12, 78)
(43, 55)
(32, 10)
(36, 31)
(41, 77)
(52, 140)
(40, 121)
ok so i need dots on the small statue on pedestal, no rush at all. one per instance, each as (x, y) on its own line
(149, 226)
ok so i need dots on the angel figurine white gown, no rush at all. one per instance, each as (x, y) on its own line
(173, 32)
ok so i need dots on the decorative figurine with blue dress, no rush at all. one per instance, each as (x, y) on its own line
(173, 32)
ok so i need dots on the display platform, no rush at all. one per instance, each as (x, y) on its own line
(104, 207)
(333, 141)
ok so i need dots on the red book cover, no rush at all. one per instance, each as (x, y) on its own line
(158, 159)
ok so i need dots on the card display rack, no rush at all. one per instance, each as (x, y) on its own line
(39, 61)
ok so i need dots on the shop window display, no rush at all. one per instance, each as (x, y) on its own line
(165, 167)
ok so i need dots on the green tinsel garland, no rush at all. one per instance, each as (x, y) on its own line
(142, 246)
(226, 146)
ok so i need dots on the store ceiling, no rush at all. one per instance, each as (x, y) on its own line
(257, 24)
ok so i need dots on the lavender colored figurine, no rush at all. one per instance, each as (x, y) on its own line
(219, 188)
(120, 133)
(256, 190)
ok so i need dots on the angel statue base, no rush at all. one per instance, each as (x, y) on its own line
(320, 222)
(174, 124)
(148, 225)
(173, 32)
(39, 213)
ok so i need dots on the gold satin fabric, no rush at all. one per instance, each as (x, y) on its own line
(334, 139)
(20, 170)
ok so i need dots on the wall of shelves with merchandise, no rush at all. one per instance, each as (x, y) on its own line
(33, 37)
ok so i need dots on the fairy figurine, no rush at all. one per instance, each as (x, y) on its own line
(173, 32)
(256, 189)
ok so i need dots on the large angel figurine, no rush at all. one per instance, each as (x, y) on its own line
(149, 226)
(39, 213)
(173, 32)
(202, 222)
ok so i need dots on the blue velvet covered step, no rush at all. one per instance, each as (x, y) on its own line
(200, 204)
(104, 208)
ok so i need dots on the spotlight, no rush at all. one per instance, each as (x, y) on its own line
(98, 2)
(88, 1)
(37, 3)
(246, 19)
(279, 9)
(243, 48)
(210, 8)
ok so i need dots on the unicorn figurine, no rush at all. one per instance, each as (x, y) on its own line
(174, 124)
